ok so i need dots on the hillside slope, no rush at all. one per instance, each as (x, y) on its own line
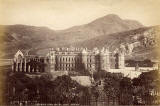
(33, 38)
(138, 44)
(102, 26)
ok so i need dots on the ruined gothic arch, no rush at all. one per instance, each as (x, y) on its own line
(18, 56)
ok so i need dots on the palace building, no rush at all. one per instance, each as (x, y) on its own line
(68, 59)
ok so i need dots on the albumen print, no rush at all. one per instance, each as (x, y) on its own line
(79, 52)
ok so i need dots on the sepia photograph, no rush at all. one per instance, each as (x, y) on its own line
(79, 52)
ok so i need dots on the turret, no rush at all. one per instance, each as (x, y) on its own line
(107, 59)
(52, 60)
(104, 59)
(84, 58)
(121, 61)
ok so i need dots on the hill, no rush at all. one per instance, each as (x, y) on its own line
(138, 44)
(102, 26)
(32, 38)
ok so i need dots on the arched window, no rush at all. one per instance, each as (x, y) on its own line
(20, 58)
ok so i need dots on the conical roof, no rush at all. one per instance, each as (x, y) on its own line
(84, 51)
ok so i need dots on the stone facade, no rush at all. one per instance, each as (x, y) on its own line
(67, 59)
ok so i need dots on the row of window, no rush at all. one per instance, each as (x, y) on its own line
(68, 59)
(73, 60)
(67, 53)
(67, 65)
(65, 68)
(76, 59)
(69, 68)
(37, 59)
(74, 65)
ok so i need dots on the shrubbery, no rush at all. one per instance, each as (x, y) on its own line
(43, 89)
(62, 90)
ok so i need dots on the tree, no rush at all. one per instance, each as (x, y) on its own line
(21, 87)
(126, 89)
(67, 90)
(145, 84)
(16, 86)
(99, 75)
(95, 92)
(43, 89)
(111, 87)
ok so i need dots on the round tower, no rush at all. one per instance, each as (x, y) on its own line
(84, 58)
(107, 59)
(121, 61)
(104, 60)
(52, 60)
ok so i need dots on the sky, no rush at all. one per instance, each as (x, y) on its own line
(62, 14)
